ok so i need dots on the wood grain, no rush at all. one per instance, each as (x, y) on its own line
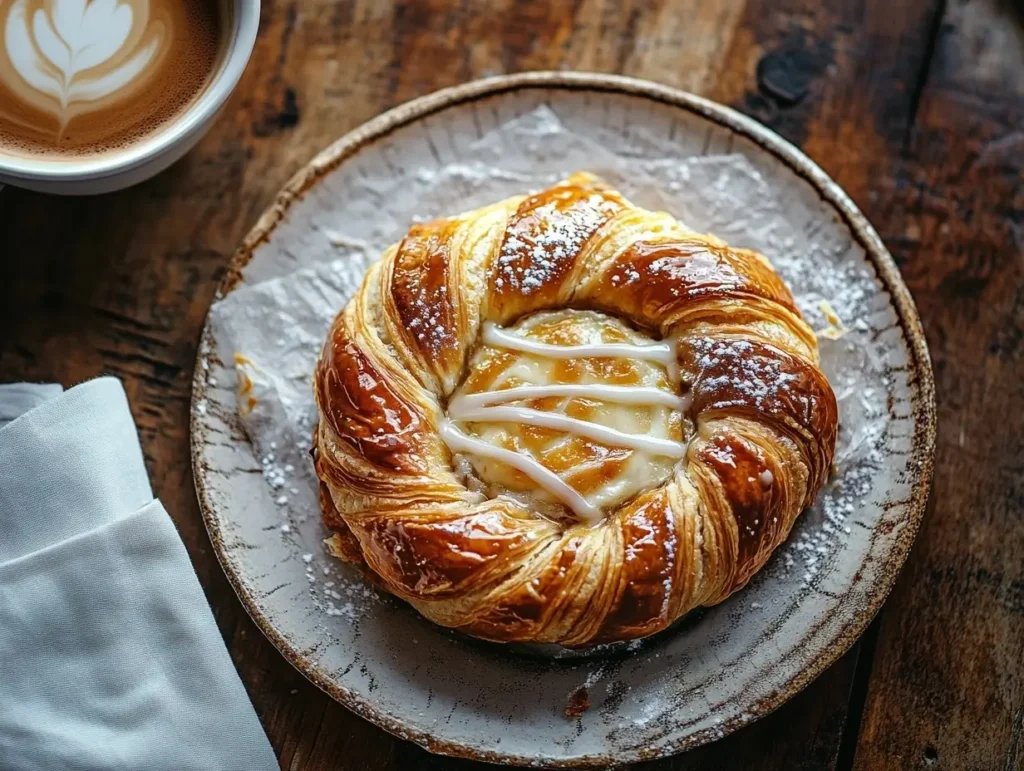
(947, 687)
(916, 107)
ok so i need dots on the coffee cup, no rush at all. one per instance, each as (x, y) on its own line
(97, 95)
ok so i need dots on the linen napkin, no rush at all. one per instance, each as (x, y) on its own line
(110, 659)
(18, 398)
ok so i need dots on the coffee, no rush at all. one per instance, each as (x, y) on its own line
(80, 78)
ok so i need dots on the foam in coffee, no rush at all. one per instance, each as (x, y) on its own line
(86, 77)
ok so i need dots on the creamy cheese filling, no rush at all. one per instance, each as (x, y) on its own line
(569, 408)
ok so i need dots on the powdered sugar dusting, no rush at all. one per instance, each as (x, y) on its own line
(421, 290)
(755, 377)
(431, 326)
(541, 244)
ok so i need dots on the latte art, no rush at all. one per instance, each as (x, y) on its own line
(86, 76)
(72, 55)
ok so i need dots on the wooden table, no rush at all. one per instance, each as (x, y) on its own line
(916, 107)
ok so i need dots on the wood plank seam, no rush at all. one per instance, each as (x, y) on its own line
(921, 81)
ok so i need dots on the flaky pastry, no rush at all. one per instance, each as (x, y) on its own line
(566, 419)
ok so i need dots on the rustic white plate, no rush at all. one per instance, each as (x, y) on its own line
(716, 672)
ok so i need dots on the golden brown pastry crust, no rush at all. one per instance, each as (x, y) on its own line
(763, 420)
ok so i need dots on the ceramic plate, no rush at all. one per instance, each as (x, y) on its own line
(718, 670)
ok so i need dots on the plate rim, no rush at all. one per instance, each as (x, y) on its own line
(920, 378)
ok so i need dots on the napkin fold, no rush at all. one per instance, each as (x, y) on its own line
(110, 658)
(18, 398)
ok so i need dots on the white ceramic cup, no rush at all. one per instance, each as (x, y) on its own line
(158, 151)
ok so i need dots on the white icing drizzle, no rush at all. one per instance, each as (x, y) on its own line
(639, 395)
(479, 408)
(547, 480)
(595, 431)
(664, 352)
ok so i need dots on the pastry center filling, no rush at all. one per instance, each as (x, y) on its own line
(568, 410)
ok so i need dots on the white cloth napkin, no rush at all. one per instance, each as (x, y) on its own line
(110, 659)
(18, 398)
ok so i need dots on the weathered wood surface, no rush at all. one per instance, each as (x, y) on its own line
(915, 106)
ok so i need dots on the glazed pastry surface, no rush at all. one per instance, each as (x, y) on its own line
(565, 419)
